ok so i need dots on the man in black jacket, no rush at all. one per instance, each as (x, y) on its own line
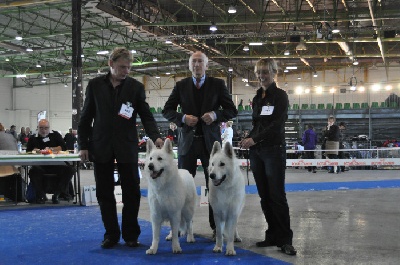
(205, 102)
(107, 132)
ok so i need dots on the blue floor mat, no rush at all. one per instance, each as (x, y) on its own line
(72, 235)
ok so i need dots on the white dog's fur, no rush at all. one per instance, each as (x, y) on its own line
(171, 195)
(227, 195)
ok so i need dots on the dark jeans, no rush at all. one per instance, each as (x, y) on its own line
(130, 184)
(41, 182)
(309, 155)
(268, 164)
(198, 150)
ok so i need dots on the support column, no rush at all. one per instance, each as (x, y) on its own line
(77, 97)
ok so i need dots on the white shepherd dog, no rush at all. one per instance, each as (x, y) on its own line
(171, 194)
(227, 195)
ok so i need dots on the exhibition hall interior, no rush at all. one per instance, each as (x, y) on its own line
(337, 58)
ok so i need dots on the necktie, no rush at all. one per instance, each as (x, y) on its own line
(198, 83)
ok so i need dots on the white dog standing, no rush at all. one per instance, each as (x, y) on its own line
(171, 195)
(226, 195)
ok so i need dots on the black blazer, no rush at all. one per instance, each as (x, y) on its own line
(216, 98)
(106, 134)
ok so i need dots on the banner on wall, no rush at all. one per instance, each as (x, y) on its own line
(41, 115)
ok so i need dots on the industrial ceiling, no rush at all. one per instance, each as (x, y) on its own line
(164, 32)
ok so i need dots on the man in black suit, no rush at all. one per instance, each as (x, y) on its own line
(107, 132)
(205, 103)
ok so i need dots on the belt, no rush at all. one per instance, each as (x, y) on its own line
(197, 136)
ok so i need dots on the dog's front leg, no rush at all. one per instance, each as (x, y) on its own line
(218, 228)
(176, 248)
(230, 232)
(156, 227)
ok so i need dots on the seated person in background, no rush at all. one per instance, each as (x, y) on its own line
(51, 141)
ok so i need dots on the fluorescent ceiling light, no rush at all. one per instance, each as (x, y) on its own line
(291, 67)
(102, 52)
(286, 70)
(230, 69)
(255, 43)
(246, 48)
(29, 49)
(355, 62)
(38, 65)
(168, 42)
(247, 84)
(21, 75)
(82, 56)
(232, 10)
(287, 52)
(133, 51)
(213, 27)
(315, 75)
(155, 59)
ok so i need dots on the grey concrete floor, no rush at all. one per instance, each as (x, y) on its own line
(354, 226)
(349, 226)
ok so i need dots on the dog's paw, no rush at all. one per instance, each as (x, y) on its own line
(190, 239)
(230, 252)
(238, 239)
(217, 249)
(151, 251)
(169, 237)
(177, 250)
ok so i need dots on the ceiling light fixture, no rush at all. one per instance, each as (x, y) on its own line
(21, 75)
(82, 56)
(230, 69)
(247, 84)
(246, 48)
(29, 49)
(232, 10)
(133, 51)
(301, 47)
(291, 67)
(255, 43)
(19, 36)
(168, 41)
(38, 65)
(335, 28)
(102, 52)
(213, 27)
(286, 71)
(155, 59)
(65, 85)
(287, 52)
(315, 74)
(355, 62)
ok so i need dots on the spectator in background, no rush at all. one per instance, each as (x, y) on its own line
(309, 142)
(7, 141)
(332, 142)
(28, 132)
(13, 132)
(173, 133)
(342, 127)
(70, 139)
(228, 133)
(52, 141)
(22, 136)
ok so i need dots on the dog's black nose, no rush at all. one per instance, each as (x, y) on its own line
(151, 166)
(212, 176)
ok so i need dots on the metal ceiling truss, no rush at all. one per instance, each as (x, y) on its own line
(368, 32)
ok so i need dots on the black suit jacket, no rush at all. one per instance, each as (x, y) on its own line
(216, 98)
(106, 134)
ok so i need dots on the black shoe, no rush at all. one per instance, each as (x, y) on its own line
(132, 244)
(288, 250)
(314, 171)
(55, 199)
(108, 243)
(268, 242)
(331, 171)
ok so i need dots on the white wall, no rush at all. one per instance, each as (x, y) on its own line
(20, 106)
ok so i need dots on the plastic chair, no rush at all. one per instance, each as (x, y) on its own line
(347, 106)
(384, 104)
(296, 106)
(339, 106)
(321, 106)
(374, 105)
(393, 105)
(364, 105)
(304, 106)
(240, 108)
(329, 106)
(313, 106)
(356, 105)
(152, 110)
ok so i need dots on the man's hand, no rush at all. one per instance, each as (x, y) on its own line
(191, 120)
(208, 118)
(246, 143)
(84, 155)
(159, 143)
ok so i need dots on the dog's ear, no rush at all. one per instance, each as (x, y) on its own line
(168, 146)
(228, 149)
(149, 146)
(216, 148)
